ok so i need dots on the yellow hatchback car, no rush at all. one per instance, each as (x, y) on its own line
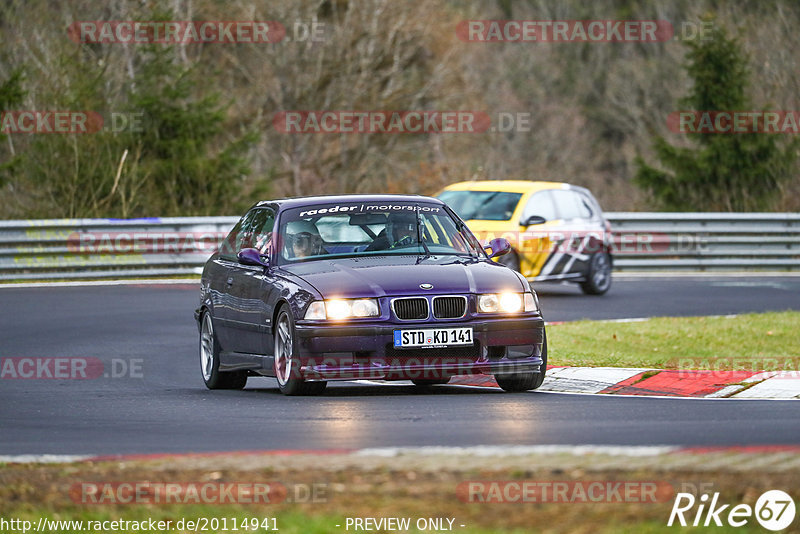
(557, 231)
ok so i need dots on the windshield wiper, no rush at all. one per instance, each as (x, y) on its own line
(464, 233)
(419, 237)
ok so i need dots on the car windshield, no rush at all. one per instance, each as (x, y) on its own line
(357, 229)
(482, 205)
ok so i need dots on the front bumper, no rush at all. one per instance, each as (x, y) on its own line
(362, 350)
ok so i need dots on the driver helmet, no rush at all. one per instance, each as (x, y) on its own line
(400, 225)
(305, 235)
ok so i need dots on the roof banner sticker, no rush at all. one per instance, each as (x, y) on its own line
(366, 208)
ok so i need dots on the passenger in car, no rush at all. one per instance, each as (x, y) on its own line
(303, 240)
(306, 244)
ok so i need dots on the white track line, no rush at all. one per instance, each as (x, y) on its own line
(390, 452)
(633, 275)
(43, 458)
(175, 281)
(521, 450)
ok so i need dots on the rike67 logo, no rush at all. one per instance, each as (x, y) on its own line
(774, 510)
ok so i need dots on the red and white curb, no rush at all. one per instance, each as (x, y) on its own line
(661, 382)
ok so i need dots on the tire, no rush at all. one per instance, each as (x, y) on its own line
(517, 382)
(510, 260)
(209, 360)
(598, 279)
(424, 382)
(285, 366)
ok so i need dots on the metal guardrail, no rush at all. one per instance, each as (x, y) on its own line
(175, 246)
(108, 248)
(706, 241)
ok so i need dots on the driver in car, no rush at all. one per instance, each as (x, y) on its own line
(400, 231)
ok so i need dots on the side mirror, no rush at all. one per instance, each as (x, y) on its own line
(499, 247)
(533, 220)
(252, 256)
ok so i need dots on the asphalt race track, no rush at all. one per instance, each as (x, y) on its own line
(146, 335)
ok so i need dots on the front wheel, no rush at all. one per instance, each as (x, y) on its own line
(287, 365)
(598, 279)
(517, 382)
(209, 360)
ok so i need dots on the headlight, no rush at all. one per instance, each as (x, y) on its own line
(506, 303)
(531, 302)
(488, 303)
(316, 311)
(338, 309)
(510, 302)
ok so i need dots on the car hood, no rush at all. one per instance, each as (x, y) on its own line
(403, 275)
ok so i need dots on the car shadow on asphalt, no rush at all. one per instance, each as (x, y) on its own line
(388, 390)
(557, 289)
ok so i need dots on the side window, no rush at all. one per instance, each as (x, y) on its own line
(245, 237)
(262, 226)
(566, 204)
(252, 230)
(230, 245)
(540, 204)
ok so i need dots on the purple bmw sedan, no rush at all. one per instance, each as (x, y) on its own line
(379, 287)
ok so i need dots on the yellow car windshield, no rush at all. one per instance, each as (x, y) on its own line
(482, 205)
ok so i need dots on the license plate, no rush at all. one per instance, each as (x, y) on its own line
(438, 337)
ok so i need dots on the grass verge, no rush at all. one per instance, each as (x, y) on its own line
(754, 341)
(400, 489)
